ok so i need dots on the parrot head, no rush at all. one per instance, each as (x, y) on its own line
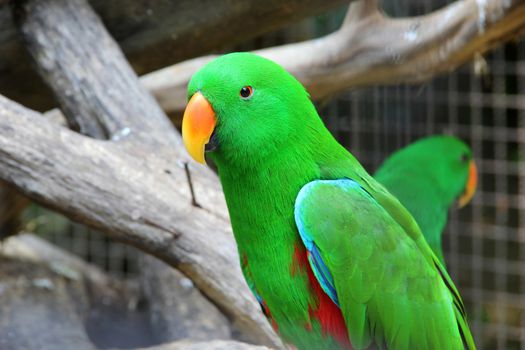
(447, 161)
(457, 167)
(242, 106)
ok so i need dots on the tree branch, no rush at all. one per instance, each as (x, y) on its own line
(48, 296)
(177, 309)
(136, 195)
(134, 187)
(87, 82)
(52, 299)
(372, 49)
(28, 247)
(211, 345)
(154, 34)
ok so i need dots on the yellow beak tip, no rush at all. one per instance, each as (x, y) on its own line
(470, 189)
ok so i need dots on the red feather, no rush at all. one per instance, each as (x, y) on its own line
(326, 312)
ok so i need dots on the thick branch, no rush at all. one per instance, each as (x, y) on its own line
(87, 72)
(154, 34)
(372, 49)
(211, 345)
(132, 181)
(137, 195)
(177, 309)
(51, 299)
(28, 247)
(48, 296)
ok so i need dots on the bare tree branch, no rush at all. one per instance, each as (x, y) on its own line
(48, 296)
(30, 248)
(87, 72)
(154, 34)
(138, 177)
(372, 49)
(136, 195)
(212, 345)
(177, 308)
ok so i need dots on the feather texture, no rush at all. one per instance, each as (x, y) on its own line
(385, 285)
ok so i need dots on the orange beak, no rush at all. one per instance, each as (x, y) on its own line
(198, 124)
(472, 182)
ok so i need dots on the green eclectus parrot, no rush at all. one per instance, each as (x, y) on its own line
(334, 259)
(428, 177)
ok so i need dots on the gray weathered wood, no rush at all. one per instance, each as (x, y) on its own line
(60, 36)
(211, 345)
(28, 247)
(371, 48)
(154, 34)
(47, 296)
(96, 88)
(137, 195)
(52, 300)
(56, 33)
(176, 307)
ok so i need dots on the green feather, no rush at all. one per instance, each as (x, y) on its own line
(269, 146)
(427, 177)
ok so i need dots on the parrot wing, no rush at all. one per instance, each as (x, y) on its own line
(388, 290)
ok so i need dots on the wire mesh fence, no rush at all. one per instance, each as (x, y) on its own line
(483, 104)
(116, 258)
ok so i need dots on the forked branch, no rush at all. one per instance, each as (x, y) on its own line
(371, 48)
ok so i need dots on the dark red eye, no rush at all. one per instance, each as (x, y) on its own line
(246, 92)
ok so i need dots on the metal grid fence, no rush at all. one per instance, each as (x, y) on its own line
(484, 242)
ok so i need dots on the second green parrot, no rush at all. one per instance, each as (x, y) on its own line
(428, 177)
(334, 259)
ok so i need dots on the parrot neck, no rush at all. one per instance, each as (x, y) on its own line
(261, 199)
(261, 192)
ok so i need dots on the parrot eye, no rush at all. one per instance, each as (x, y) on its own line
(246, 92)
(464, 157)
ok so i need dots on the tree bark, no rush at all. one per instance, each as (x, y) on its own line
(177, 309)
(372, 49)
(52, 300)
(88, 83)
(139, 196)
(134, 186)
(211, 345)
(47, 296)
(28, 247)
(154, 34)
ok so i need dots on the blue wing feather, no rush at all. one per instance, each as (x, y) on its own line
(322, 274)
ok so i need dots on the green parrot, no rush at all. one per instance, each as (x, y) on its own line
(334, 259)
(428, 177)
